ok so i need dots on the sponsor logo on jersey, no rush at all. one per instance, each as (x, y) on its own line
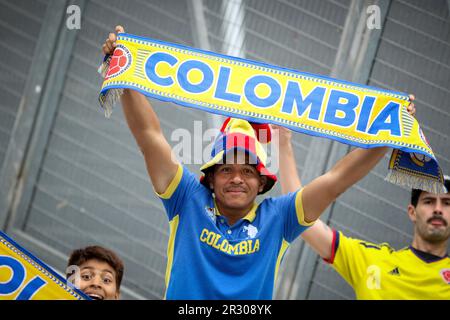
(394, 272)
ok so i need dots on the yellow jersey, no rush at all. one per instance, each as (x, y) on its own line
(376, 271)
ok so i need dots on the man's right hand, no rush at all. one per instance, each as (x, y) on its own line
(110, 43)
(284, 134)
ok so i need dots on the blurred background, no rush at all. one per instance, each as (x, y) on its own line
(69, 177)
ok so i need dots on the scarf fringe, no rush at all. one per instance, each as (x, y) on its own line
(104, 66)
(110, 97)
(415, 182)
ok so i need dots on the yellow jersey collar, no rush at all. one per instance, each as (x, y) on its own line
(250, 217)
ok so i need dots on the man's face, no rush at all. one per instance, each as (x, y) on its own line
(432, 216)
(236, 185)
(98, 280)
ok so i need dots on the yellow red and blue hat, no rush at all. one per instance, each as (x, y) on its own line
(241, 135)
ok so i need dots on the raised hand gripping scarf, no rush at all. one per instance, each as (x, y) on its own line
(24, 277)
(350, 113)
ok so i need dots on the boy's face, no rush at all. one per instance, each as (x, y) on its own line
(98, 280)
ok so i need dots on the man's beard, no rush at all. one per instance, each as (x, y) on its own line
(434, 235)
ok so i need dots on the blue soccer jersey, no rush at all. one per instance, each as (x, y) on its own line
(209, 259)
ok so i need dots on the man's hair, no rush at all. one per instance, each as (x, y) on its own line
(415, 193)
(80, 256)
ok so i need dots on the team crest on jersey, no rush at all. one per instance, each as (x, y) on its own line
(211, 212)
(251, 231)
(445, 273)
(120, 61)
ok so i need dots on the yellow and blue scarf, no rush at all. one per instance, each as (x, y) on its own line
(25, 277)
(350, 113)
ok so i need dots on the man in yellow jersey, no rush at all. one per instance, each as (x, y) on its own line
(377, 271)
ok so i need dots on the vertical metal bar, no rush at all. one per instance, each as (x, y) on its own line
(448, 9)
(24, 124)
(198, 25)
(201, 40)
(233, 28)
(59, 58)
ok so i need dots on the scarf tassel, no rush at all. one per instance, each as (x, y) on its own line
(413, 181)
(110, 97)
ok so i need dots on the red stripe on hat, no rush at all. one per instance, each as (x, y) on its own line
(263, 171)
(224, 125)
(241, 140)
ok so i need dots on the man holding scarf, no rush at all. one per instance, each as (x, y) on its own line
(223, 245)
(377, 271)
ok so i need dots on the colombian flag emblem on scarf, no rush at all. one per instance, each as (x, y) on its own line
(24, 277)
(350, 113)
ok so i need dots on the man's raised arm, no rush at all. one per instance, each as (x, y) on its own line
(145, 127)
(322, 191)
(319, 236)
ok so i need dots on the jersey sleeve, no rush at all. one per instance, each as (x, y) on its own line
(354, 259)
(185, 184)
(290, 207)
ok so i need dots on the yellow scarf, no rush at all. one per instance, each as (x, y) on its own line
(24, 277)
(350, 113)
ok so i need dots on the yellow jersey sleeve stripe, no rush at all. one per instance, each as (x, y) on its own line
(284, 247)
(170, 249)
(299, 210)
(173, 184)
